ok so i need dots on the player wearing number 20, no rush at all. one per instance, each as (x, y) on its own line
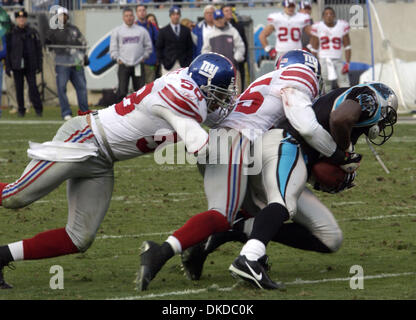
(328, 37)
(85, 148)
(288, 26)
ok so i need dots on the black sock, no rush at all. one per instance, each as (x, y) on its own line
(268, 222)
(167, 251)
(297, 236)
(5, 255)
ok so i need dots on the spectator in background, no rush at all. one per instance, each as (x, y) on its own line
(174, 44)
(70, 59)
(130, 46)
(226, 40)
(188, 23)
(152, 19)
(24, 58)
(150, 64)
(203, 27)
(306, 8)
(328, 38)
(230, 17)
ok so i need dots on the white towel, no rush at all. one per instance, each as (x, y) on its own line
(61, 151)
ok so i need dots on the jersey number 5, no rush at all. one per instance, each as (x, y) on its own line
(251, 99)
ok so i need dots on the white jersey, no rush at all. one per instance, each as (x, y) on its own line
(288, 30)
(330, 38)
(260, 106)
(130, 126)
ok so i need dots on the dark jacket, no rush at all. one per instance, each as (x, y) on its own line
(240, 28)
(170, 48)
(153, 32)
(67, 37)
(23, 44)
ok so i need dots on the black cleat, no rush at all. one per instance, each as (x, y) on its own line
(254, 272)
(152, 258)
(193, 260)
(3, 283)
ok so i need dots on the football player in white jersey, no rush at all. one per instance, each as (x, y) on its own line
(288, 27)
(284, 93)
(348, 113)
(85, 148)
(328, 38)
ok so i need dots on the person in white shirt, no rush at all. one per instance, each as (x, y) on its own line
(289, 26)
(130, 46)
(327, 39)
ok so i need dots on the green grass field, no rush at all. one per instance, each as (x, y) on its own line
(378, 219)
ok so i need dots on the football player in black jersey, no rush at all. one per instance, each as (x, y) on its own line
(347, 113)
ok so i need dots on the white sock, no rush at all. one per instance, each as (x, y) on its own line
(253, 249)
(175, 244)
(16, 249)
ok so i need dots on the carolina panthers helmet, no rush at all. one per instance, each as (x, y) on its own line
(215, 75)
(301, 57)
(387, 112)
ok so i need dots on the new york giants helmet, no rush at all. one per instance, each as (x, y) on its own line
(386, 112)
(215, 76)
(301, 57)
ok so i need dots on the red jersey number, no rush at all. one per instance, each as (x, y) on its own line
(284, 34)
(128, 104)
(251, 99)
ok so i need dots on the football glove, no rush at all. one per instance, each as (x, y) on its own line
(346, 184)
(348, 161)
(345, 68)
(271, 51)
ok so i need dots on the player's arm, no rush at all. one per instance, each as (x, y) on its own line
(342, 120)
(297, 106)
(314, 42)
(346, 42)
(188, 129)
(266, 32)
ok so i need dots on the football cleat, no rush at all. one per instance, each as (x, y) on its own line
(254, 273)
(152, 259)
(193, 260)
(3, 283)
(194, 257)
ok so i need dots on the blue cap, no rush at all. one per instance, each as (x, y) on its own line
(218, 14)
(174, 9)
(288, 3)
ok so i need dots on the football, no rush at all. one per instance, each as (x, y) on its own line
(328, 174)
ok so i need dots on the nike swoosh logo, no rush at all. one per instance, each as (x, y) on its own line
(258, 276)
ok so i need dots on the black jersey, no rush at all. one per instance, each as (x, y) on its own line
(364, 94)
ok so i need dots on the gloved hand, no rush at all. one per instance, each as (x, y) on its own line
(348, 161)
(345, 68)
(271, 51)
(346, 184)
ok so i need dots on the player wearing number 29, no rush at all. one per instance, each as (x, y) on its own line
(286, 93)
(328, 37)
(85, 148)
(288, 26)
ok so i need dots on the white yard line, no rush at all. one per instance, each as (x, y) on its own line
(293, 283)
